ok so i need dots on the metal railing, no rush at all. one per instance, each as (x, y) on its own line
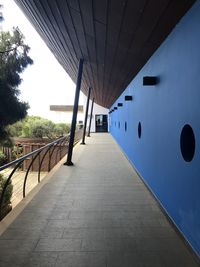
(55, 150)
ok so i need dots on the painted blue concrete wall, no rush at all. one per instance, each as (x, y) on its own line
(163, 110)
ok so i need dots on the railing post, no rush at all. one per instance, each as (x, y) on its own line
(75, 110)
(91, 112)
(86, 115)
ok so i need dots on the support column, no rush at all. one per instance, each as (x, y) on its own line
(74, 117)
(86, 115)
(91, 113)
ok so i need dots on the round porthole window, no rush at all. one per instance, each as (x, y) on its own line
(125, 126)
(139, 129)
(187, 143)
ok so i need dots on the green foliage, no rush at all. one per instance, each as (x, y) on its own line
(43, 128)
(8, 192)
(2, 158)
(13, 60)
(34, 126)
(15, 129)
(17, 152)
(61, 129)
(7, 141)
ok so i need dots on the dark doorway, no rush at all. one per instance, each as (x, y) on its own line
(101, 123)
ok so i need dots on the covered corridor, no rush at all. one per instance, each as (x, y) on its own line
(97, 213)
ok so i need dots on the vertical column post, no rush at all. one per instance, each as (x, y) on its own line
(74, 117)
(91, 112)
(86, 115)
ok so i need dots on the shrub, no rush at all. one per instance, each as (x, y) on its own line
(61, 129)
(2, 158)
(43, 128)
(6, 207)
(37, 127)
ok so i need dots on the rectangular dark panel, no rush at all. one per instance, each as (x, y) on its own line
(128, 98)
(150, 80)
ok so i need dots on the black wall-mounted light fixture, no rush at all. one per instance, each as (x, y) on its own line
(150, 80)
(115, 108)
(128, 98)
(119, 104)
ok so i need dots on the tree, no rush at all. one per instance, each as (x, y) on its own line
(35, 126)
(61, 129)
(43, 128)
(13, 60)
(15, 130)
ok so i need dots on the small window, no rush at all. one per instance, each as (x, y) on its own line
(187, 143)
(119, 124)
(125, 126)
(139, 130)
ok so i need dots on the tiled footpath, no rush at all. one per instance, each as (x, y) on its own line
(97, 213)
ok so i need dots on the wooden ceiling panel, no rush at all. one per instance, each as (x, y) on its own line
(134, 11)
(148, 21)
(100, 30)
(114, 37)
(87, 15)
(100, 10)
(91, 48)
(74, 4)
(78, 26)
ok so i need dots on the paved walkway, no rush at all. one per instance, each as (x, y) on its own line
(95, 214)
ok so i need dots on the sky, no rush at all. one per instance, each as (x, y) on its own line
(45, 82)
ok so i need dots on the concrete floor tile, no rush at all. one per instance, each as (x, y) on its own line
(24, 245)
(171, 258)
(21, 234)
(85, 215)
(59, 215)
(57, 223)
(52, 232)
(13, 259)
(83, 233)
(81, 259)
(93, 245)
(49, 244)
(116, 259)
(121, 244)
(122, 232)
(41, 259)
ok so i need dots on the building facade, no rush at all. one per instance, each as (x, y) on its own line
(142, 59)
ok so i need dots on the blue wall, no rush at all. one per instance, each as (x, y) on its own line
(163, 110)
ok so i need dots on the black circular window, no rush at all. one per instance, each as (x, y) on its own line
(187, 143)
(125, 126)
(139, 129)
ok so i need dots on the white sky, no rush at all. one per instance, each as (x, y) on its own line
(45, 82)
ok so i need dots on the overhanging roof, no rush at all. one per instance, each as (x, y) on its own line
(65, 108)
(115, 37)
